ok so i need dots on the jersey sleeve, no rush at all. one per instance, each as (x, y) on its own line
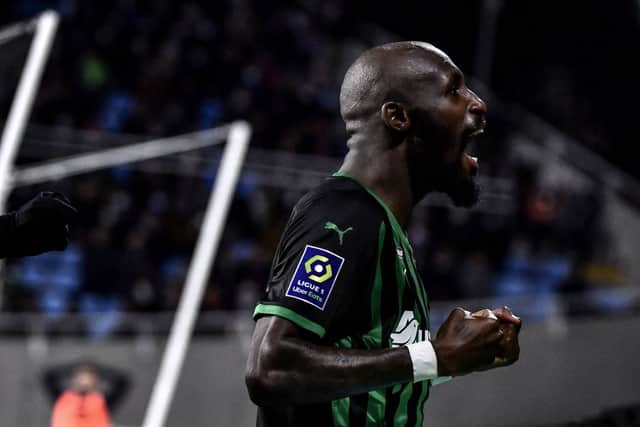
(324, 264)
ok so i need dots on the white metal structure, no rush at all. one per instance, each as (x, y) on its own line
(46, 25)
(45, 30)
(88, 162)
(205, 253)
(238, 135)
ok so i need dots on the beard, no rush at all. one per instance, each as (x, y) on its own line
(429, 173)
(463, 191)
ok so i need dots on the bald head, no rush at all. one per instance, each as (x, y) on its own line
(386, 73)
(410, 116)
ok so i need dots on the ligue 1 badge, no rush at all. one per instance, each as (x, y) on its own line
(315, 276)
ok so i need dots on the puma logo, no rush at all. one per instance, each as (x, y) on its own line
(331, 226)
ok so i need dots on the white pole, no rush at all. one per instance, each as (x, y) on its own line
(205, 252)
(21, 106)
(88, 162)
(23, 100)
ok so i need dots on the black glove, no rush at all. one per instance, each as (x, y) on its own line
(40, 225)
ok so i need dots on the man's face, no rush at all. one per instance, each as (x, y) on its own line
(446, 116)
(84, 381)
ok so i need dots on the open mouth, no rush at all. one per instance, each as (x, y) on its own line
(470, 163)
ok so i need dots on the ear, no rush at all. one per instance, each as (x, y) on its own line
(394, 114)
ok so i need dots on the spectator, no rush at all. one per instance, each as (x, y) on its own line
(85, 394)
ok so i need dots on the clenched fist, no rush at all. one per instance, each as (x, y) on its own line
(510, 326)
(483, 340)
(464, 344)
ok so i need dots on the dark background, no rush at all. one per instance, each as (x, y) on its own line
(158, 68)
(571, 62)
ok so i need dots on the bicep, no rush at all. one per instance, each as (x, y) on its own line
(272, 361)
(269, 333)
(275, 327)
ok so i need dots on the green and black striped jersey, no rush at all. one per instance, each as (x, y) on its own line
(344, 270)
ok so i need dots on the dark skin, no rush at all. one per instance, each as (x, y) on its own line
(409, 117)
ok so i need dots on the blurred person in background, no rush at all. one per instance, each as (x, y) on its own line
(85, 394)
(40, 225)
(342, 334)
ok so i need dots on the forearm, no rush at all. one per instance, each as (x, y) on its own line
(301, 372)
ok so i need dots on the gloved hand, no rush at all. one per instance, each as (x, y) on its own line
(41, 225)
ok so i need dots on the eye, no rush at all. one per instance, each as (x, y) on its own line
(453, 91)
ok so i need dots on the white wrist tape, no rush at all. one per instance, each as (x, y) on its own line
(424, 360)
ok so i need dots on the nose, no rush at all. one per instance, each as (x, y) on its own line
(477, 105)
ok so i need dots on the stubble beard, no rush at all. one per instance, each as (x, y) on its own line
(429, 173)
(463, 191)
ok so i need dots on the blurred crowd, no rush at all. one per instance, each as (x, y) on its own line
(159, 68)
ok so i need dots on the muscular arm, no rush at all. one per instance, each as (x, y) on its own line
(284, 365)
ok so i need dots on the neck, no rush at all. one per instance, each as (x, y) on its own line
(383, 170)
